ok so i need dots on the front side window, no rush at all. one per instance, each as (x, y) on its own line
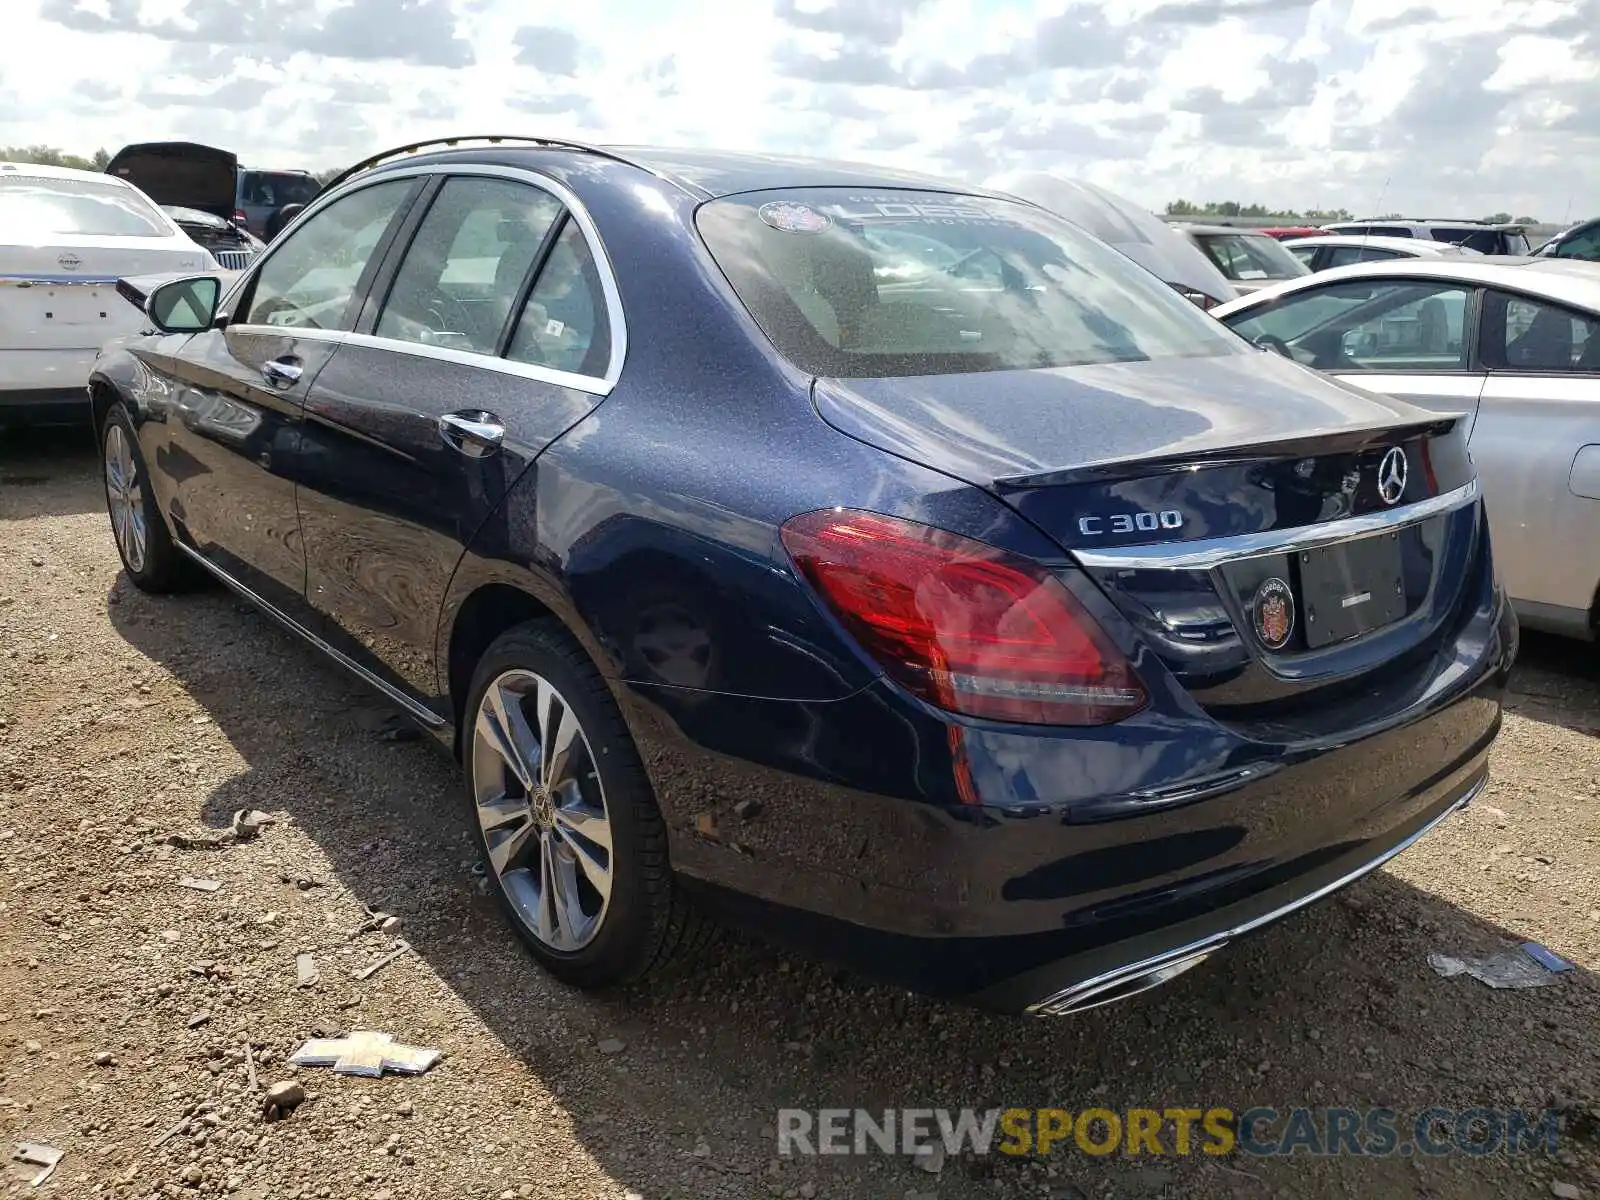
(563, 325)
(853, 283)
(1306, 254)
(1344, 256)
(467, 264)
(1400, 325)
(309, 280)
(40, 207)
(1250, 256)
(1522, 334)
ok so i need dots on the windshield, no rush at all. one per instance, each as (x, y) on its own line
(1250, 256)
(1484, 241)
(36, 206)
(894, 283)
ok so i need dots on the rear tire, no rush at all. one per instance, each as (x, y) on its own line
(149, 556)
(575, 845)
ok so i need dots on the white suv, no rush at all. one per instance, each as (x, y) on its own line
(1474, 235)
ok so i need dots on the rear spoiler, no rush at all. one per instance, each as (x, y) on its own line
(1301, 446)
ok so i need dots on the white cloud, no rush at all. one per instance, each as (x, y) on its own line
(1458, 105)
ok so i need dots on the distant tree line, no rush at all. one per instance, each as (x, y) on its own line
(49, 156)
(1232, 208)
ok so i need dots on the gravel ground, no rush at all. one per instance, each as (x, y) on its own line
(129, 1003)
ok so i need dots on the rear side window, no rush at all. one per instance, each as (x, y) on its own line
(277, 188)
(563, 325)
(1522, 334)
(895, 282)
(34, 207)
(1376, 230)
(467, 264)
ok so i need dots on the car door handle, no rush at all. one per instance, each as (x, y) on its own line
(473, 433)
(282, 372)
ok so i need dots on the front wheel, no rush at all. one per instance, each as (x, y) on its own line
(566, 819)
(148, 553)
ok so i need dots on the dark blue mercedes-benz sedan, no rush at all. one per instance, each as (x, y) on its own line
(883, 562)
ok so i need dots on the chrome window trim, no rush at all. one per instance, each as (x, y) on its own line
(600, 386)
(1207, 553)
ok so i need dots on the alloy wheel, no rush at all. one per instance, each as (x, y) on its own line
(542, 810)
(125, 497)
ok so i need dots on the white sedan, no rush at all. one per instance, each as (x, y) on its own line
(1511, 343)
(66, 237)
(1325, 251)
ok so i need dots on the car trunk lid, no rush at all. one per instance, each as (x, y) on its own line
(1274, 536)
(65, 297)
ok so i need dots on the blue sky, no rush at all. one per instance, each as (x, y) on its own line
(1456, 107)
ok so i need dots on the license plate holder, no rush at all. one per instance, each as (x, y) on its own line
(1351, 588)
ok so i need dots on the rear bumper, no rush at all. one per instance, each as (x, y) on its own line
(858, 846)
(1123, 972)
(53, 370)
(44, 406)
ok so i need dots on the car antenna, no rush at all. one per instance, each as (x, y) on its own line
(1377, 208)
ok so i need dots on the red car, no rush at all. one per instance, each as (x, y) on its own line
(1285, 232)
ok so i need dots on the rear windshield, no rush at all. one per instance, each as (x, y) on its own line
(1484, 241)
(278, 188)
(34, 206)
(1250, 256)
(894, 283)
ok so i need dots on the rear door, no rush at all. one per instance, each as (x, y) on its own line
(1537, 447)
(226, 452)
(1410, 338)
(489, 333)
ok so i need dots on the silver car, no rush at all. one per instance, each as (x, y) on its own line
(1512, 342)
(1250, 260)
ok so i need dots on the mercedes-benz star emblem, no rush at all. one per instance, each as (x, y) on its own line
(69, 261)
(1392, 475)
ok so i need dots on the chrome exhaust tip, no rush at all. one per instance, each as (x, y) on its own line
(1118, 985)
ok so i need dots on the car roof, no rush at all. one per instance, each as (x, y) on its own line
(1565, 280)
(707, 174)
(1201, 227)
(40, 171)
(1417, 246)
(1423, 222)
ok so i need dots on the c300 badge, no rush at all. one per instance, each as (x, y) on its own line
(1272, 611)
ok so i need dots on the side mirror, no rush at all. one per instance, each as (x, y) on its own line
(186, 305)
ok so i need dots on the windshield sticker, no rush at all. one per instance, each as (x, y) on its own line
(960, 211)
(790, 217)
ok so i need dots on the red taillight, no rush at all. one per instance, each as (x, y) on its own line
(240, 217)
(963, 624)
